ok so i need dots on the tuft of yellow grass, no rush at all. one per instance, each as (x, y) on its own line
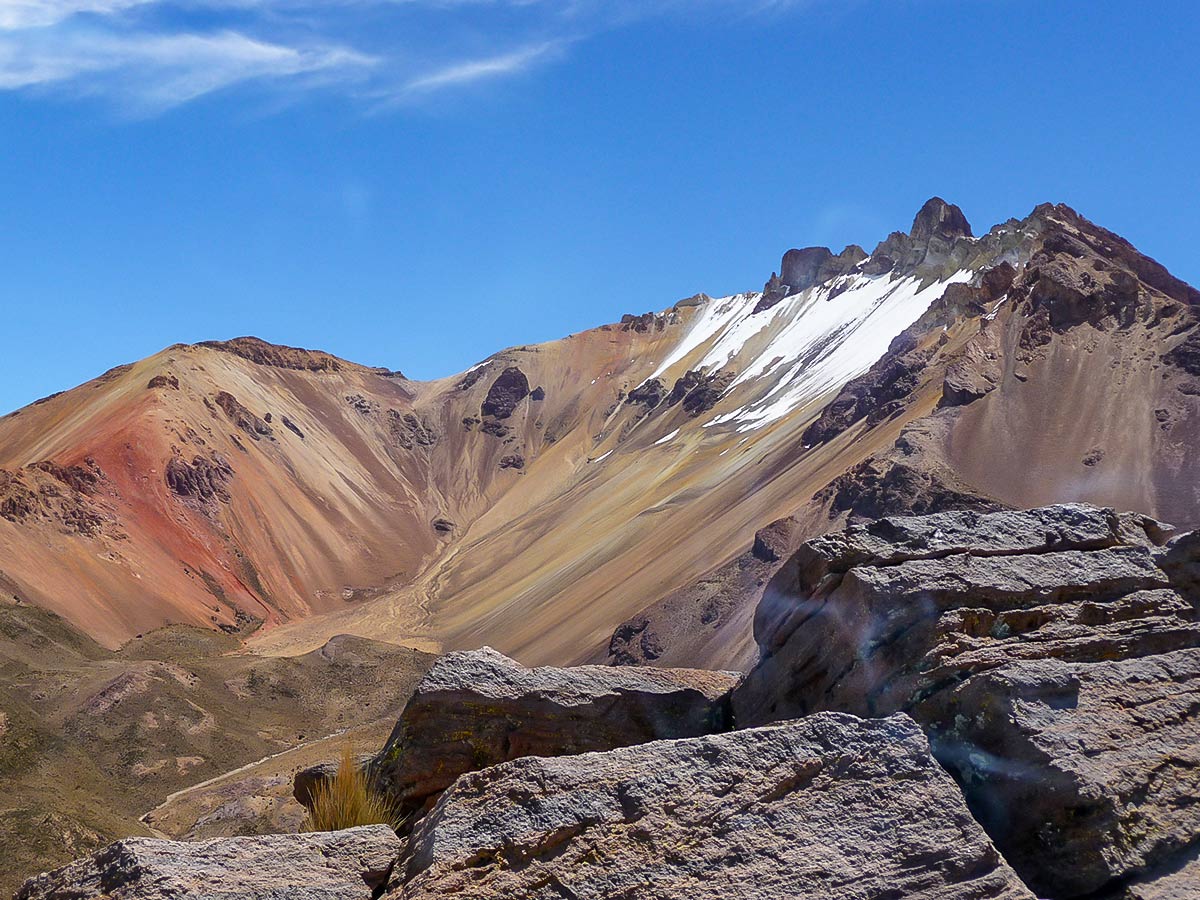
(347, 800)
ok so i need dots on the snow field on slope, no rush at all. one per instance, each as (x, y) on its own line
(810, 343)
(822, 343)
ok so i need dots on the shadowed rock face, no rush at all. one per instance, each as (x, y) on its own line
(1083, 772)
(339, 865)
(476, 709)
(509, 389)
(937, 218)
(1052, 655)
(831, 806)
(801, 269)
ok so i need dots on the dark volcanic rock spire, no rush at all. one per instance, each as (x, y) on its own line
(801, 269)
(937, 217)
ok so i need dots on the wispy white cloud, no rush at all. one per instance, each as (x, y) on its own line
(474, 70)
(16, 14)
(150, 55)
(153, 72)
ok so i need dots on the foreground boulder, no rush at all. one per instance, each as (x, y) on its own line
(1050, 654)
(827, 807)
(479, 708)
(338, 865)
(1084, 773)
(1180, 880)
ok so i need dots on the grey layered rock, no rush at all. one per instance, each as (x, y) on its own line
(335, 865)
(476, 709)
(1180, 880)
(820, 564)
(830, 806)
(1083, 773)
(1180, 560)
(1051, 654)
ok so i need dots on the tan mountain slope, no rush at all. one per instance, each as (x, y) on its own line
(542, 498)
(1073, 376)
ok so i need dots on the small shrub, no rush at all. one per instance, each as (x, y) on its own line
(347, 800)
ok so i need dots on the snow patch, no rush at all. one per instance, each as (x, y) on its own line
(715, 318)
(812, 343)
(665, 438)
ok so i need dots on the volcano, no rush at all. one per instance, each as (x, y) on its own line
(621, 494)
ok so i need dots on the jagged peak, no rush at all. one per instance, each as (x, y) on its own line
(1061, 218)
(941, 219)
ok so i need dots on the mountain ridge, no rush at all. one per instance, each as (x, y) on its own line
(288, 490)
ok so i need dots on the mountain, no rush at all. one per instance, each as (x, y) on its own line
(616, 478)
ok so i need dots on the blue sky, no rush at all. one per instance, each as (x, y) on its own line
(418, 183)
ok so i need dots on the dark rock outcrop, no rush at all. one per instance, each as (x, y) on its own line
(830, 806)
(1079, 237)
(873, 396)
(278, 356)
(710, 618)
(409, 431)
(699, 392)
(650, 393)
(292, 427)
(364, 406)
(242, 417)
(801, 269)
(1186, 354)
(168, 381)
(509, 389)
(481, 708)
(890, 485)
(937, 218)
(51, 492)
(204, 478)
(337, 865)
(83, 479)
(644, 323)
(939, 242)
(1052, 655)
(976, 372)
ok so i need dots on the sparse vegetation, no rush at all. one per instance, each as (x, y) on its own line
(347, 800)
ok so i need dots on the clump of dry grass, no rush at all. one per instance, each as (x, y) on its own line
(347, 800)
